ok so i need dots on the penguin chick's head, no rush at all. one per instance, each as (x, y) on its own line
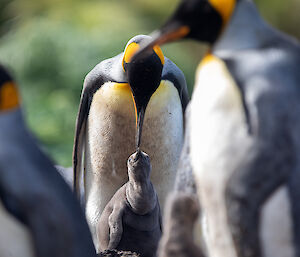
(183, 207)
(143, 74)
(201, 20)
(139, 165)
(9, 96)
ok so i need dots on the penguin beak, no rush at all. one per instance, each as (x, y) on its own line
(139, 120)
(168, 33)
(139, 116)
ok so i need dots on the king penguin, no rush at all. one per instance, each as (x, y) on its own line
(111, 112)
(244, 127)
(39, 215)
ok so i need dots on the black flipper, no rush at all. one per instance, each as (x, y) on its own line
(93, 81)
(172, 73)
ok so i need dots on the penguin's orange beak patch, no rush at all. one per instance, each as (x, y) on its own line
(9, 96)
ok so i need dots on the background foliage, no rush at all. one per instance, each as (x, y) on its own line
(50, 45)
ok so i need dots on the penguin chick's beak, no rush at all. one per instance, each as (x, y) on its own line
(139, 159)
(168, 33)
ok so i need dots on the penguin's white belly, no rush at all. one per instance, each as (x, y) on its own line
(110, 140)
(276, 226)
(217, 130)
(15, 239)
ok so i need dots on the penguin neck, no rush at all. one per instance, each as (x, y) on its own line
(245, 30)
(140, 195)
(11, 124)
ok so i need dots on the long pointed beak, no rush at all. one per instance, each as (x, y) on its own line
(170, 32)
(139, 127)
(139, 120)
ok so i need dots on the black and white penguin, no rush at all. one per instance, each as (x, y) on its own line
(39, 215)
(244, 127)
(112, 109)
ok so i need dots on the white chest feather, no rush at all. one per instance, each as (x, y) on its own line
(110, 140)
(217, 125)
(15, 240)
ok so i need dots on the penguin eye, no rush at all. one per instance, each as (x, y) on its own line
(9, 97)
(224, 8)
(129, 52)
(159, 53)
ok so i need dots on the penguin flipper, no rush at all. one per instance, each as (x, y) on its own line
(93, 81)
(115, 227)
(267, 167)
(172, 73)
(79, 141)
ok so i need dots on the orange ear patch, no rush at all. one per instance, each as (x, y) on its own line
(224, 8)
(159, 53)
(9, 96)
(130, 51)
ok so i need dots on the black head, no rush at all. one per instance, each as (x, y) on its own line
(201, 20)
(9, 96)
(143, 74)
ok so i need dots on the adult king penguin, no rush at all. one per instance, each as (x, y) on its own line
(39, 216)
(244, 135)
(112, 108)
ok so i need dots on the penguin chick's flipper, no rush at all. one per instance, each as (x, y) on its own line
(268, 166)
(93, 81)
(115, 227)
(180, 217)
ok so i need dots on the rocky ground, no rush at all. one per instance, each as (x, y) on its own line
(115, 253)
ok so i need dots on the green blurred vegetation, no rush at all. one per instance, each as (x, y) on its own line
(50, 45)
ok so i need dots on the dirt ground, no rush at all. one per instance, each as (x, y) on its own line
(115, 253)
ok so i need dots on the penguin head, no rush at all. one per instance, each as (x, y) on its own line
(183, 207)
(201, 20)
(139, 166)
(9, 96)
(143, 74)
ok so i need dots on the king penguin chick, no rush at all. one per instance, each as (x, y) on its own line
(181, 214)
(114, 98)
(244, 131)
(39, 215)
(132, 220)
